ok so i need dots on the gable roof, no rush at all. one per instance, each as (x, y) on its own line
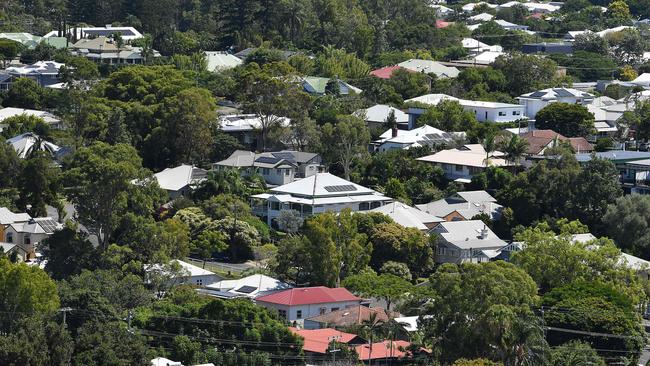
(467, 234)
(380, 112)
(383, 349)
(386, 72)
(25, 143)
(555, 93)
(250, 286)
(174, 179)
(244, 158)
(468, 155)
(12, 112)
(7, 217)
(37, 68)
(317, 85)
(539, 140)
(318, 340)
(245, 122)
(468, 204)
(309, 295)
(407, 216)
(430, 67)
(218, 61)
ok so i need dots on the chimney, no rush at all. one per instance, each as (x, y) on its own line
(394, 131)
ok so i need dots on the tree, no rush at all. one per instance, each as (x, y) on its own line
(619, 11)
(39, 184)
(24, 93)
(289, 221)
(596, 188)
(448, 116)
(36, 341)
(627, 73)
(627, 46)
(68, 252)
(628, 224)
(483, 310)
(24, 290)
(8, 50)
(570, 120)
(387, 287)
(100, 177)
(398, 269)
(109, 343)
(592, 43)
(515, 148)
(345, 142)
(575, 353)
(525, 73)
(393, 242)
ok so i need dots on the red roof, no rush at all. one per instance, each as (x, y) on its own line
(308, 295)
(442, 24)
(382, 350)
(317, 340)
(385, 72)
(538, 140)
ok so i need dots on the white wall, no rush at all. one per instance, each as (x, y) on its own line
(490, 114)
(309, 310)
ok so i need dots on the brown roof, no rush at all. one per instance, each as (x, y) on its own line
(538, 140)
(351, 316)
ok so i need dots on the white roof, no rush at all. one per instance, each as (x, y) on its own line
(467, 203)
(431, 99)
(470, 6)
(487, 57)
(251, 286)
(483, 17)
(468, 155)
(466, 234)
(555, 93)
(541, 7)
(12, 112)
(441, 9)
(380, 112)
(7, 217)
(643, 79)
(244, 122)
(25, 143)
(161, 361)
(474, 44)
(634, 263)
(192, 269)
(420, 135)
(174, 179)
(407, 216)
(482, 104)
(221, 61)
(430, 67)
(6, 247)
(127, 33)
(410, 323)
(38, 68)
(323, 185)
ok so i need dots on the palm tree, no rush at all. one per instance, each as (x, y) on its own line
(489, 145)
(514, 148)
(369, 327)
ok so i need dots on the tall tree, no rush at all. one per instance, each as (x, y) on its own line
(345, 142)
(570, 120)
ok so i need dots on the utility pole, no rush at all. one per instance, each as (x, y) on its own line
(65, 312)
(333, 351)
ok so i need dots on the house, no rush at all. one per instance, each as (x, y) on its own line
(537, 100)
(540, 140)
(571, 36)
(26, 143)
(463, 241)
(386, 72)
(126, 33)
(377, 115)
(483, 58)
(642, 80)
(162, 361)
(426, 135)
(544, 47)
(246, 127)
(298, 304)
(243, 54)
(28, 234)
(315, 85)
(510, 26)
(410, 323)
(384, 352)
(430, 67)
(461, 164)
(187, 274)
(408, 216)
(316, 342)
(277, 168)
(219, 61)
(179, 181)
(6, 80)
(350, 316)
(107, 50)
(441, 10)
(30, 41)
(44, 73)
(474, 46)
(481, 18)
(11, 250)
(248, 287)
(464, 206)
(318, 193)
(47, 117)
(469, 7)
(484, 111)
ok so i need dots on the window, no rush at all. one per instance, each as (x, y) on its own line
(516, 113)
(375, 205)
(287, 172)
(266, 171)
(10, 237)
(459, 168)
(275, 206)
(199, 282)
(335, 309)
(364, 206)
(474, 170)
(282, 313)
(322, 311)
(299, 314)
(27, 240)
(501, 114)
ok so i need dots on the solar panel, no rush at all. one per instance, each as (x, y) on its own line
(246, 289)
(48, 225)
(267, 160)
(285, 155)
(341, 188)
(562, 92)
(538, 94)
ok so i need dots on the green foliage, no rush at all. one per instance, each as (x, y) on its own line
(627, 221)
(575, 352)
(24, 93)
(109, 343)
(387, 287)
(448, 116)
(570, 120)
(36, 341)
(336, 63)
(475, 362)
(345, 142)
(525, 73)
(398, 269)
(68, 253)
(393, 242)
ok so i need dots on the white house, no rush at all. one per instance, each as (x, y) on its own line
(395, 139)
(474, 46)
(469, 7)
(441, 10)
(25, 231)
(408, 216)
(187, 274)
(42, 72)
(298, 304)
(179, 181)
(463, 241)
(248, 287)
(463, 206)
(47, 117)
(462, 163)
(127, 33)
(219, 61)
(377, 115)
(480, 18)
(277, 168)
(430, 67)
(493, 111)
(510, 26)
(318, 193)
(246, 127)
(537, 100)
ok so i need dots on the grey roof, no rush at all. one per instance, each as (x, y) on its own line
(468, 204)
(243, 158)
(467, 235)
(615, 155)
(554, 93)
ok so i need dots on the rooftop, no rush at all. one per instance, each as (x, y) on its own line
(174, 179)
(408, 216)
(318, 340)
(323, 185)
(555, 93)
(430, 67)
(309, 295)
(468, 155)
(469, 234)
(354, 315)
(380, 112)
